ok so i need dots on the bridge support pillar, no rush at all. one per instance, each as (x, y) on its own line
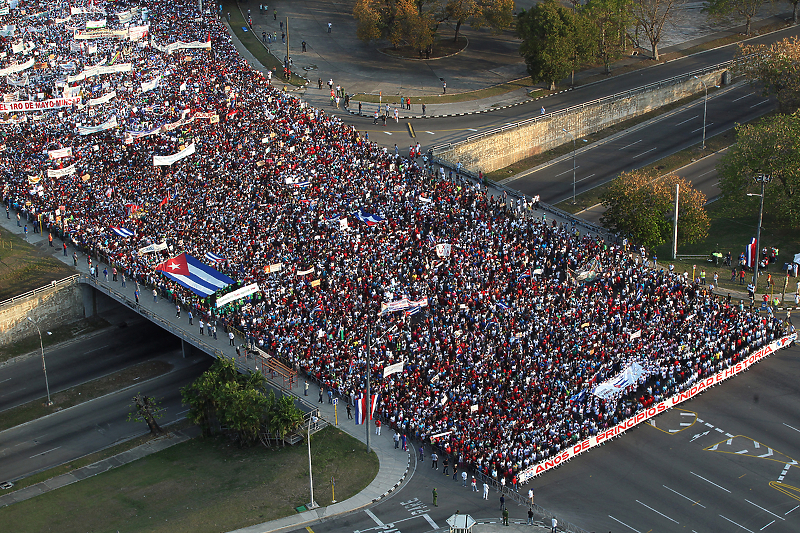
(186, 349)
(89, 296)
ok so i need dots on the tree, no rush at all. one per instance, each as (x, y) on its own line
(744, 8)
(283, 416)
(770, 147)
(611, 19)
(554, 39)
(642, 208)
(794, 10)
(495, 14)
(146, 409)
(652, 16)
(777, 68)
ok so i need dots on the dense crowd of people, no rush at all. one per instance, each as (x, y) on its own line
(502, 357)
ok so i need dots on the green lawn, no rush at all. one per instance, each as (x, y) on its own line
(24, 267)
(206, 484)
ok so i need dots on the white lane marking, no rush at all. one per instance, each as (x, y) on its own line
(662, 514)
(568, 170)
(729, 441)
(790, 510)
(698, 418)
(631, 144)
(790, 427)
(769, 452)
(732, 522)
(743, 97)
(48, 451)
(683, 413)
(766, 511)
(698, 436)
(375, 518)
(740, 452)
(100, 348)
(624, 524)
(586, 178)
(430, 521)
(509, 124)
(472, 129)
(785, 471)
(757, 445)
(704, 479)
(700, 176)
(698, 129)
(709, 425)
(426, 131)
(388, 132)
(686, 424)
(765, 527)
(650, 150)
(717, 429)
(186, 411)
(729, 435)
(9, 379)
(687, 120)
(684, 497)
(758, 104)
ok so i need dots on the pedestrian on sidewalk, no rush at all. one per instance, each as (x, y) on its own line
(404, 442)
(114, 274)
(530, 516)
(123, 279)
(444, 87)
(191, 317)
(177, 311)
(305, 388)
(214, 331)
(321, 392)
(474, 484)
(26, 231)
(434, 461)
(136, 295)
(485, 491)
(502, 502)
(421, 454)
(201, 325)
(349, 412)
(329, 27)
(230, 338)
(396, 439)
(435, 498)
(155, 295)
(423, 110)
(530, 495)
(377, 427)
(554, 524)
(445, 465)
(464, 477)
(50, 239)
(505, 517)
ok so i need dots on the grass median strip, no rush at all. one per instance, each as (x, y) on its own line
(82, 393)
(206, 484)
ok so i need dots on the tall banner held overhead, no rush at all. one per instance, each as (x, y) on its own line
(167, 160)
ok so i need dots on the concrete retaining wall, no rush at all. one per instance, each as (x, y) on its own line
(49, 306)
(515, 143)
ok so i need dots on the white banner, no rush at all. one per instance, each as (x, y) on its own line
(103, 99)
(100, 70)
(166, 160)
(656, 409)
(150, 85)
(138, 32)
(393, 369)
(7, 30)
(277, 267)
(107, 125)
(628, 376)
(241, 292)
(95, 24)
(180, 45)
(304, 272)
(100, 34)
(13, 69)
(57, 173)
(58, 154)
(153, 248)
(41, 105)
(443, 250)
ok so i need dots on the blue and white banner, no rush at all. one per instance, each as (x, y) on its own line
(107, 125)
(367, 218)
(166, 160)
(122, 232)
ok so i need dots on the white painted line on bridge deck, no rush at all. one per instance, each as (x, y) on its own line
(566, 171)
(704, 479)
(766, 511)
(650, 150)
(375, 518)
(790, 427)
(743, 97)
(734, 523)
(631, 144)
(624, 524)
(48, 451)
(96, 349)
(698, 129)
(472, 129)
(765, 527)
(790, 510)
(685, 497)
(430, 521)
(662, 514)
(758, 104)
(430, 132)
(687, 120)
(388, 132)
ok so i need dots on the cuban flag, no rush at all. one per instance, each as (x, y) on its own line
(318, 308)
(367, 218)
(214, 258)
(751, 254)
(524, 275)
(122, 232)
(361, 408)
(502, 306)
(194, 275)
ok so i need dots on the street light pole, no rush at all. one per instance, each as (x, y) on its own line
(573, 163)
(705, 108)
(44, 366)
(763, 179)
(369, 398)
(313, 504)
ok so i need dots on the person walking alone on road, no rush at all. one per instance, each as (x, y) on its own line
(201, 325)
(505, 517)
(554, 524)
(177, 311)
(421, 454)
(446, 465)
(349, 412)
(464, 477)
(485, 491)
(396, 439)
(530, 516)
(230, 338)
(434, 461)
(474, 484)
(435, 498)
(502, 502)
(329, 27)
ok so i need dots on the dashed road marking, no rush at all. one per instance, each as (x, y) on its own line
(704, 479)
(765, 510)
(657, 512)
(734, 523)
(646, 152)
(624, 524)
(684, 497)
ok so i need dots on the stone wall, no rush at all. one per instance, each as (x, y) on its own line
(51, 306)
(515, 143)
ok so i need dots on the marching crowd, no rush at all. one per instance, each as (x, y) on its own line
(500, 360)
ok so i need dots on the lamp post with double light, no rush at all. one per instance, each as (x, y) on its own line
(44, 365)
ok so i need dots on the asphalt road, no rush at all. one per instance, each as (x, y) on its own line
(601, 162)
(91, 426)
(434, 132)
(84, 359)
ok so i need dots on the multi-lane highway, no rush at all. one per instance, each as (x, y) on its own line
(71, 433)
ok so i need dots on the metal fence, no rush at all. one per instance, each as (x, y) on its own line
(72, 280)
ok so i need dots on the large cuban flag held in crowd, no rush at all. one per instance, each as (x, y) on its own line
(751, 254)
(368, 218)
(194, 275)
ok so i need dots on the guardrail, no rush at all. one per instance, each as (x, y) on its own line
(604, 99)
(53, 285)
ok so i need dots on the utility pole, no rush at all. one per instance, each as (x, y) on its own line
(288, 63)
(675, 224)
(369, 398)
(763, 179)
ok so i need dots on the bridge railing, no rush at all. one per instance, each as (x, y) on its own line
(71, 280)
